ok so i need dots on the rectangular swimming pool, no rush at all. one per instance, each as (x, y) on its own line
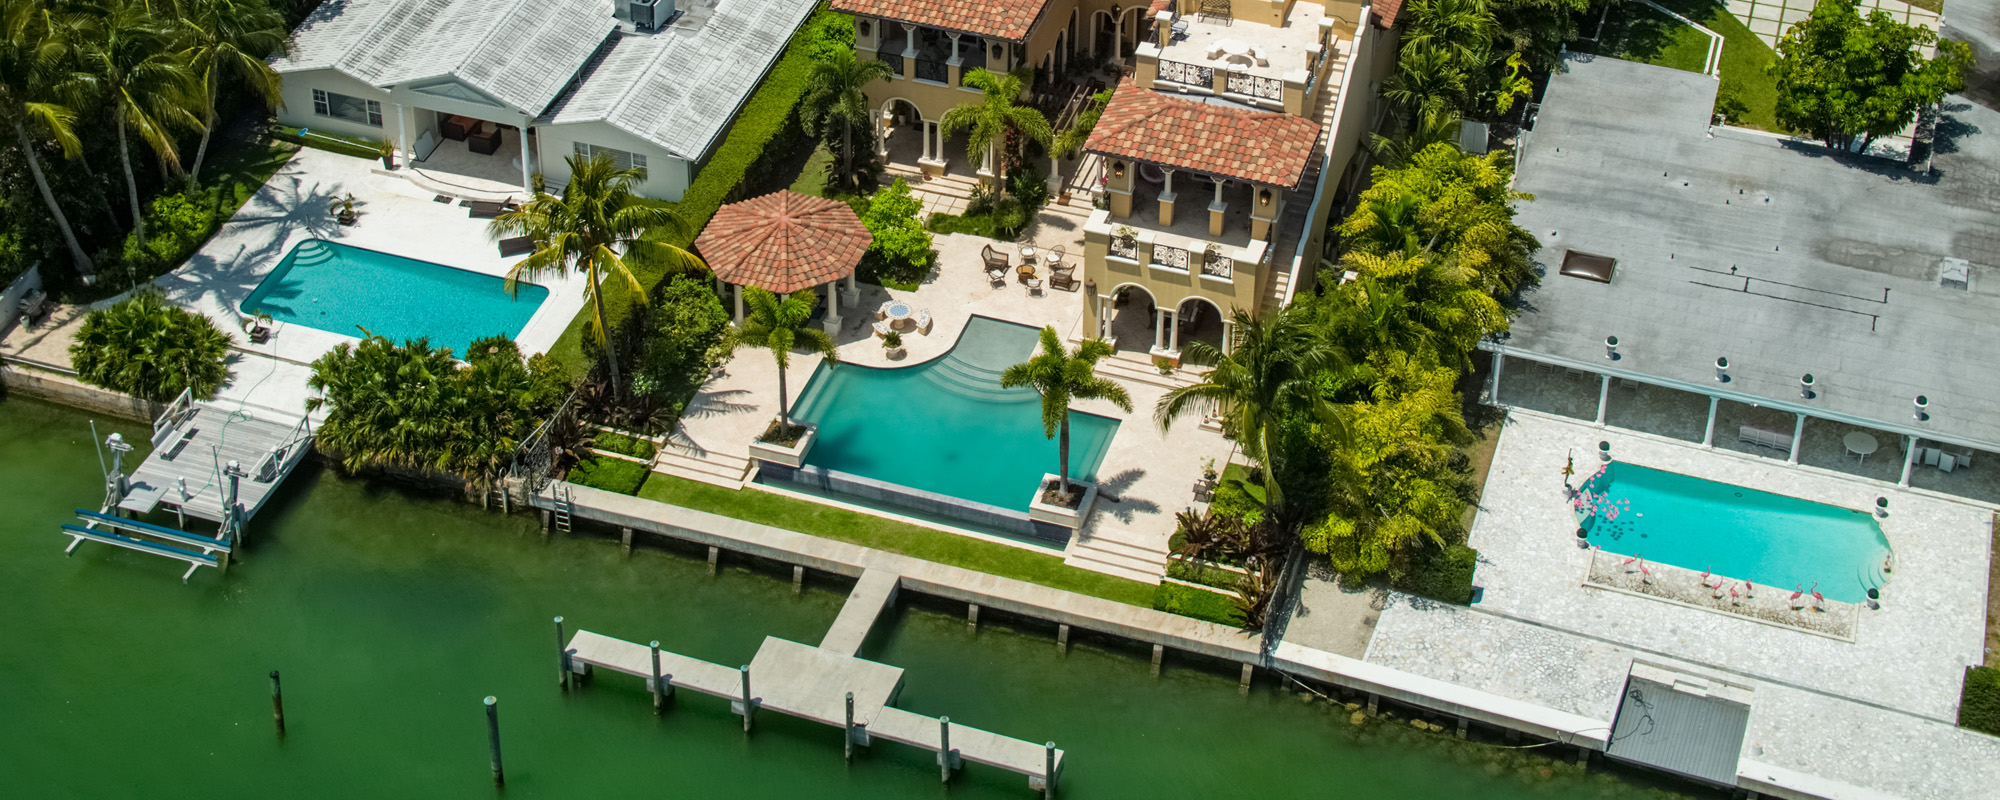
(946, 425)
(1744, 534)
(341, 289)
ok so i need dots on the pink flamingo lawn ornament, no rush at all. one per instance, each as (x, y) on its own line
(1749, 591)
(1732, 596)
(1645, 575)
(1627, 563)
(1818, 601)
(1794, 600)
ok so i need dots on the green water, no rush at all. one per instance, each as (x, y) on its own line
(392, 615)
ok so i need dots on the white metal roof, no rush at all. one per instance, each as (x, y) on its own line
(521, 52)
(679, 88)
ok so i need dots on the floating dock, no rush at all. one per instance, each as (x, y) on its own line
(817, 683)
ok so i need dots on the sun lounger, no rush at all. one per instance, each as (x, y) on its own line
(516, 246)
(486, 209)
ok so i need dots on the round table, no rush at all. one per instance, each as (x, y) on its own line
(897, 311)
(1026, 270)
(1860, 444)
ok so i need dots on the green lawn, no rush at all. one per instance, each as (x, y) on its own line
(246, 166)
(812, 176)
(895, 537)
(1635, 32)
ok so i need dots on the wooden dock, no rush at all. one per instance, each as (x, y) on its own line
(815, 683)
(193, 445)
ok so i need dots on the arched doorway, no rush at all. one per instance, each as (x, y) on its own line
(1199, 319)
(1132, 319)
(903, 136)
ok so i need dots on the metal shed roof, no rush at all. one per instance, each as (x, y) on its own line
(1682, 729)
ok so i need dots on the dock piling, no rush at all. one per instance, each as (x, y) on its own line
(659, 685)
(713, 553)
(1049, 771)
(493, 738)
(1243, 686)
(798, 580)
(1463, 724)
(1373, 701)
(1062, 638)
(277, 704)
(545, 524)
(972, 618)
(847, 733)
(749, 708)
(944, 749)
(1159, 652)
(625, 542)
(562, 655)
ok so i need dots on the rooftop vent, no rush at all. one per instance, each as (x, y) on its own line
(1590, 267)
(1955, 273)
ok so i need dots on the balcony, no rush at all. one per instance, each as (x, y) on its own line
(1275, 68)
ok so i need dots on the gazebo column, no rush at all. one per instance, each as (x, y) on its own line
(851, 295)
(739, 303)
(832, 321)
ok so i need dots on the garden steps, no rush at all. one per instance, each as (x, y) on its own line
(1131, 370)
(716, 469)
(1117, 558)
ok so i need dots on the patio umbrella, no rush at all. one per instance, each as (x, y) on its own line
(784, 242)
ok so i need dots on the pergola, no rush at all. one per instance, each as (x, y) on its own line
(784, 242)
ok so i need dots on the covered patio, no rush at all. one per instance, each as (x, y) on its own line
(786, 242)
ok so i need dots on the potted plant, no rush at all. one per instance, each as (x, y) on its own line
(892, 345)
(1208, 470)
(1125, 235)
(1164, 364)
(258, 327)
(387, 151)
(343, 210)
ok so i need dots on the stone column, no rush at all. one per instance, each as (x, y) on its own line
(1228, 336)
(1708, 433)
(832, 294)
(1216, 210)
(909, 50)
(1798, 437)
(739, 305)
(851, 295)
(1603, 398)
(1174, 331)
(1159, 328)
(1909, 460)
(407, 152)
(1499, 364)
(955, 64)
(1167, 200)
(882, 134)
(527, 165)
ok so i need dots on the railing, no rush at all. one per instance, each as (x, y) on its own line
(894, 58)
(928, 70)
(1125, 247)
(1218, 264)
(1255, 86)
(1168, 256)
(1187, 74)
(535, 459)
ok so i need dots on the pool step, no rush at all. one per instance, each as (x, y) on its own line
(716, 469)
(966, 380)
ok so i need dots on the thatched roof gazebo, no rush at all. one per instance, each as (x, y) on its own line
(785, 242)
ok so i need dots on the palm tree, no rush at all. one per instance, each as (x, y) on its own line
(129, 58)
(834, 98)
(593, 228)
(1461, 30)
(1062, 375)
(233, 36)
(33, 50)
(988, 122)
(780, 325)
(1269, 375)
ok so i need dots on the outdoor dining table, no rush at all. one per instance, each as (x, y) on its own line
(898, 312)
(1860, 444)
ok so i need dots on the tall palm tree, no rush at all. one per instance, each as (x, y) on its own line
(1268, 376)
(779, 325)
(130, 61)
(593, 228)
(1062, 375)
(33, 57)
(233, 36)
(988, 122)
(834, 99)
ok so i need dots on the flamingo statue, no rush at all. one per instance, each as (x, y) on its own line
(1818, 601)
(1645, 575)
(1801, 589)
(1704, 576)
(1749, 591)
(1732, 595)
(1627, 563)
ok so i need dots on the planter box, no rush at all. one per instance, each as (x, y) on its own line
(794, 456)
(1057, 515)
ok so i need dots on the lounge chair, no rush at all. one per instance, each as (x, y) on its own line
(517, 246)
(995, 260)
(487, 209)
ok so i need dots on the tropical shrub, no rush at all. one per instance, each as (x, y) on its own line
(626, 445)
(149, 348)
(903, 252)
(1979, 706)
(1204, 574)
(609, 474)
(414, 409)
(1440, 574)
(685, 333)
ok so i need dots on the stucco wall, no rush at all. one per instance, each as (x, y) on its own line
(298, 103)
(667, 177)
(70, 392)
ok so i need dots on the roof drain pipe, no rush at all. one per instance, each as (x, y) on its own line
(1722, 369)
(1806, 387)
(1611, 347)
(1923, 408)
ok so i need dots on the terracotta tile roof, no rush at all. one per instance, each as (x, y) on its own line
(784, 242)
(1385, 12)
(1256, 146)
(1006, 19)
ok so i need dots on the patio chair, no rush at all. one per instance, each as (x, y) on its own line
(998, 275)
(1055, 257)
(485, 141)
(1034, 286)
(994, 259)
(517, 246)
(881, 330)
(923, 320)
(36, 307)
(1065, 279)
(455, 127)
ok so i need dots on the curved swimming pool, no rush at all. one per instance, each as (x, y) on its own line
(946, 425)
(342, 289)
(1745, 534)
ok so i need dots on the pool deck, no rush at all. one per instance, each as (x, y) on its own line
(1539, 634)
(395, 217)
(1150, 472)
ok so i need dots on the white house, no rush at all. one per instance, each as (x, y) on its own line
(459, 81)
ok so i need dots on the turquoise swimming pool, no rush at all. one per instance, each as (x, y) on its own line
(341, 289)
(946, 425)
(1770, 539)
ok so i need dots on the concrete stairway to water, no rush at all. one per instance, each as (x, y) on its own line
(1116, 553)
(726, 470)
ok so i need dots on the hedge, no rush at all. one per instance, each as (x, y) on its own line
(1979, 706)
(620, 443)
(357, 146)
(1188, 601)
(763, 117)
(1203, 573)
(1443, 576)
(609, 474)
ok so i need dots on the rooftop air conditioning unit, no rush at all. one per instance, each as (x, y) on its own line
(651, 15)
